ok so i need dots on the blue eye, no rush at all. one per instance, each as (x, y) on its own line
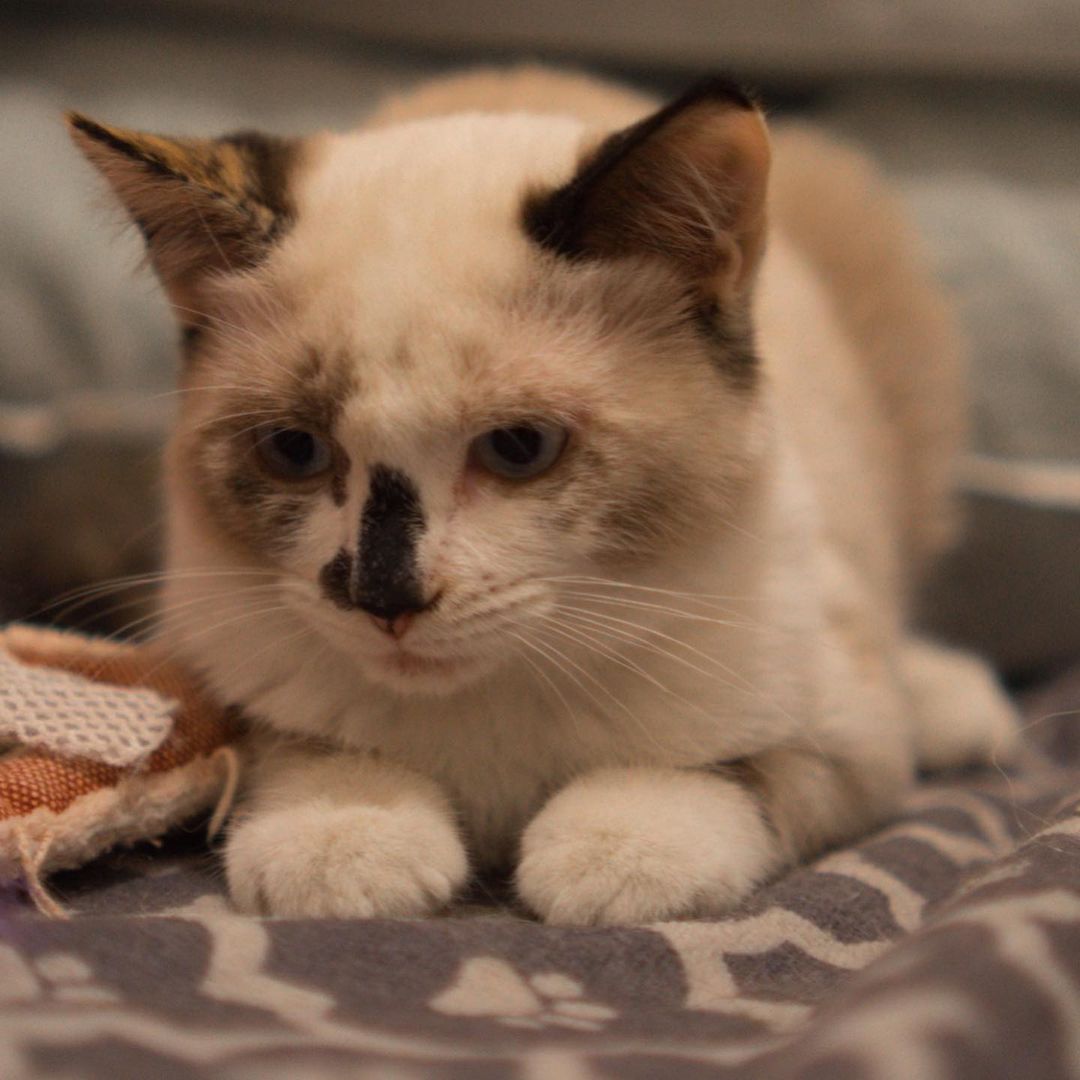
(521, 451)
(292, 453)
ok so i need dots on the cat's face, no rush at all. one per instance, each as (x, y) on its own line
(448, 392)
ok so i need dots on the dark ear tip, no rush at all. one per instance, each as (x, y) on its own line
(79, 124)
(720, 87)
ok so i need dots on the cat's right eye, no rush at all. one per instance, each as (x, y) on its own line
(292, 453)
(520, 452)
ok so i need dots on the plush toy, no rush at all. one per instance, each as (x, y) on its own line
(101, 744)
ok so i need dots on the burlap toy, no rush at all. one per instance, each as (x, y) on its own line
(101, 744)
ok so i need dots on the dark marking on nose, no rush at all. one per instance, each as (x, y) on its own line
(383, 578)
(335, 580)
(387, 582)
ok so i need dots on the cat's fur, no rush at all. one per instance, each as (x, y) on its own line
(655, 673)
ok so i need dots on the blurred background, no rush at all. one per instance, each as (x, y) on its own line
(972, 106)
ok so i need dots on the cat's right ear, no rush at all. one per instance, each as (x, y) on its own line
(204, 206)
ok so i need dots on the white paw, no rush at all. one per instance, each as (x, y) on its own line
(962, 715)
(343, 862)
(637, 845)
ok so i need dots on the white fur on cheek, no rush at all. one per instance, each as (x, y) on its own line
(637, 845)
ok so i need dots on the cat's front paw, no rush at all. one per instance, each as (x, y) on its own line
(641, 845)
(343, 862)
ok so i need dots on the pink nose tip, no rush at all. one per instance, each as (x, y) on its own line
(396, 626)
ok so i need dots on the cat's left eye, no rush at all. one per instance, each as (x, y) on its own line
(292, 453)
(521, 451)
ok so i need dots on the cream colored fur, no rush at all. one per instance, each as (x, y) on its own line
(597, 771)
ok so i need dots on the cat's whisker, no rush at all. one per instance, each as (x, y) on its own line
(168, 656)
(579, 635)
(621, 705)
(746, 687)
(202, 631)
(645, 605)
(744, 622)
(259, 343)
(559, 666)
(500, 605)
(207, 388)
(160, 614)
(588, 640)
(73, 599)
(217, 320)
(587, 636)
(217, 421)
(305, 631)
(571, 579)
(584, 671)
(605, 619)
(541, 673)
(567, 666)
(162, 575)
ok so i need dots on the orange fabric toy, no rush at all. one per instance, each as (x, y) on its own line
(100, 744)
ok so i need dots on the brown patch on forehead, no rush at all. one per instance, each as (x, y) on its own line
(309, 389)
(324, 382)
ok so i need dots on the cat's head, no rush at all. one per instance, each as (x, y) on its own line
(438, 377)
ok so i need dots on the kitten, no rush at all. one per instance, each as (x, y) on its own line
(543, 504)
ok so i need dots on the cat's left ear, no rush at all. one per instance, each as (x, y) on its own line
(202, 205)
(686, 184)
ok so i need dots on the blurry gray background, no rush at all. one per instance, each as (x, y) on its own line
(973, 107)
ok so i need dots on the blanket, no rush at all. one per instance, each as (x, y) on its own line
(946, 945)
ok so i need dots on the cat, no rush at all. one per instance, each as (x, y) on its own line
(549, 487)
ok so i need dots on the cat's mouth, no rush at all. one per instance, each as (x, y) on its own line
(404, 662)
(409, 672)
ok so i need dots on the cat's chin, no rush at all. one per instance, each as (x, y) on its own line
(414, 673)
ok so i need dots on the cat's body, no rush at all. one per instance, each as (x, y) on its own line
(652, 672)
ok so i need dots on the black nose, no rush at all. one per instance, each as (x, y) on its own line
(387, 583)
(390, 603)
(395, 618)
(383, 578)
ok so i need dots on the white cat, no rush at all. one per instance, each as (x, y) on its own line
(541, 503)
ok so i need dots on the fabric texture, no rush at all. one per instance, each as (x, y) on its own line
(148, 759)
(946, 945)
(75, 716)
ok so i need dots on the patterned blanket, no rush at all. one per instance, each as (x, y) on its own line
(944, 946)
